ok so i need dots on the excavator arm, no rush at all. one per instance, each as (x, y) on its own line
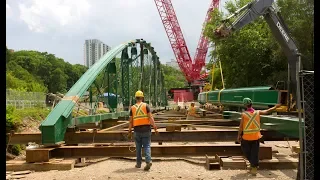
(251, 12)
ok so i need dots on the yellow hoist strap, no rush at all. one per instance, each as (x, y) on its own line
(219, 95)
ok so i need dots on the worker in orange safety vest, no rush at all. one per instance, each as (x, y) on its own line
(191, 112)
(249, 133)
(141, 120)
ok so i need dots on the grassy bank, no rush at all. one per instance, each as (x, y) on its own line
(18, 119)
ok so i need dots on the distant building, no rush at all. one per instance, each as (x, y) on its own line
(173, 63)
(94, 49)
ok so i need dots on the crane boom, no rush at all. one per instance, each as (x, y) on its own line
(173, 30)
(251, 12)
(175, 35)
(203, 44)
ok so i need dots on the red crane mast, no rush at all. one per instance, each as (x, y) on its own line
(203, 44)
(175, 36)
(171, 25)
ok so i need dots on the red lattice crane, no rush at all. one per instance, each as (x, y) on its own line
(171, 25)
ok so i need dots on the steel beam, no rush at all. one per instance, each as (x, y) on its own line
(213, 122)
(53, 128)
(106, 137)
(157, 150)
(110, 123)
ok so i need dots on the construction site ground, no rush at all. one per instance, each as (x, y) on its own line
(164, 168)
(178, 167)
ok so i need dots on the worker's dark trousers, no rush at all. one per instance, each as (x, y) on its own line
(251, 150)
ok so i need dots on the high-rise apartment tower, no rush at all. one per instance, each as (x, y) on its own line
(94, 49)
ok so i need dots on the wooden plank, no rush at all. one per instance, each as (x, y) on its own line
(63, 165)
(212, 163)
(296, 149)
(170, 128)
(21, 172)
(157, 150)
(115, 144)
(218, 157)
(38, 155)
(279, 163)
(177, 128)
(228, 163)
(15, 177)
(117, 127)
(235, 158)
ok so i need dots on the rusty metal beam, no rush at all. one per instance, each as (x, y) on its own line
(183, 116)
(116, 127)
(157, 150)
(106, 137)
(214, 122)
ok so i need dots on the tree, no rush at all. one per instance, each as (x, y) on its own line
(58, 81)
(40, 72)
(251, 56)
(173, 78)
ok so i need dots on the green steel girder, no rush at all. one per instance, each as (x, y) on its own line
(112, 82)
(125, 78)
(142, 79)
(154, 99)
(53, 128)
(97, 118)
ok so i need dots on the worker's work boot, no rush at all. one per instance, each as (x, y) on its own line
(248, 168)
(138, 166)
(148, 166)
(253, 171)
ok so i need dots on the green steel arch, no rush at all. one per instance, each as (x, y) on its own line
(135, 70)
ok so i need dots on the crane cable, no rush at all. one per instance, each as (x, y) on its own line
(222, 80)
(220, 66)
(212, 75)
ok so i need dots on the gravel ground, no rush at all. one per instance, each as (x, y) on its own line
(124, 169)
(121, 169)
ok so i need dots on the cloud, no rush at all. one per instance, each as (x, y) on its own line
(67, 23)
(46, 15)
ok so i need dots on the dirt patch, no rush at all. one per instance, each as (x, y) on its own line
(124, 169)
(30, 125)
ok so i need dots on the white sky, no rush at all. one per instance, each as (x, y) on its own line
(61, 26)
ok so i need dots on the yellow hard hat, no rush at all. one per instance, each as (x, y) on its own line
(139, 94)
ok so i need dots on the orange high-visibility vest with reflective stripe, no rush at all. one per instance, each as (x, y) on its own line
(192, 111)
(251, 126)
(140, 115)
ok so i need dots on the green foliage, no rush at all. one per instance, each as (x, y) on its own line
(35, 113)
(14, 119)
(40, 72)
(216, 81)
(15, 149)
(173, 78)
(251, 56)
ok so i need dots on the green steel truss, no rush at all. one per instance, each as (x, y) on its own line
(137, 69)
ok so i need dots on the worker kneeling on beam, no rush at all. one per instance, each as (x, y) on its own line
(141, 120)
(249, 133)
(191, 112)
